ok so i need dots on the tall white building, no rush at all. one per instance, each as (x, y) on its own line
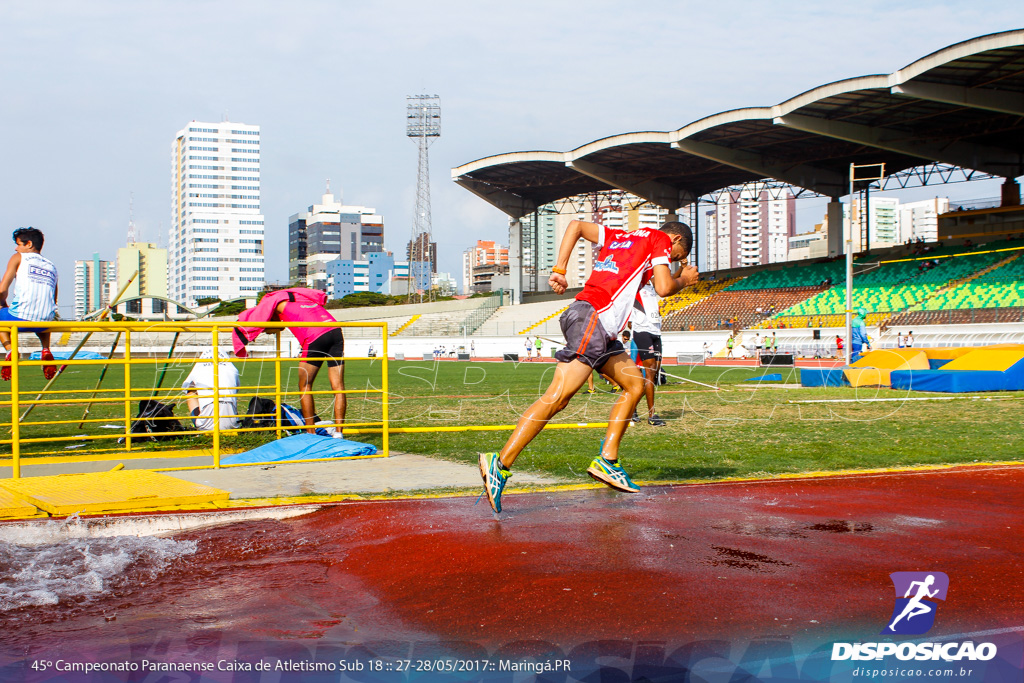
(749, 228)
(93, 280)
(921, 219)
(216, 240)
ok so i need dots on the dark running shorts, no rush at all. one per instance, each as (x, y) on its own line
(585, 338)
(329, 346)
(648, 346)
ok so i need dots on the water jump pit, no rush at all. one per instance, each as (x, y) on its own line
(715, 582)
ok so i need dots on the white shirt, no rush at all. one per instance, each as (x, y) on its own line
(646, 314)
(201, 378)
(34, 288)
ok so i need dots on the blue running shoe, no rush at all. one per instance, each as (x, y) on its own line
(612, 474)
(495, 477)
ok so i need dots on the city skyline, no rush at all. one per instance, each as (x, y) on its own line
(98, 90)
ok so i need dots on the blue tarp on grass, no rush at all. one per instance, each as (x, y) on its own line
(765, 378)
(64, 355)
(301, 447)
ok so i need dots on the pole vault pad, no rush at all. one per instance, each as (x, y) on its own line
(120, 491)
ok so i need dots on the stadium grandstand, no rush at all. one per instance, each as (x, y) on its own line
(955, 114)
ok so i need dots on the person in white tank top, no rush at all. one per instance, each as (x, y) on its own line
(35, 294)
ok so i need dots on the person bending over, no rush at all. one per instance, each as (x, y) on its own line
(295, 306)
(591, 325)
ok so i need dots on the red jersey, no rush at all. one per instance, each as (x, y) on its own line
(624, 265)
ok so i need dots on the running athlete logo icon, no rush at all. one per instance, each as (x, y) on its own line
(915, 614)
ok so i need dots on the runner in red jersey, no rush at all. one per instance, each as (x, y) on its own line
(591, 325)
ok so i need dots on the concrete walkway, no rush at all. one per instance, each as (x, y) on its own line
(399, 472)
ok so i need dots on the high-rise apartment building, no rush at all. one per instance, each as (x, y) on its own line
(217, 232)
(375, 273)
(422, 250)
(150, 262)
(921, 219)
(328, 231)
(480, 264)
(93, 280)
(878, 224)
(748, 228)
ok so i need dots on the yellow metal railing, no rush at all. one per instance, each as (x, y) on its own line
(17, 404)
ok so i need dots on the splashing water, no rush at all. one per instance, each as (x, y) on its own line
(60, 566)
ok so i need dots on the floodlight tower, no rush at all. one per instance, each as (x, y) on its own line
(423, 124)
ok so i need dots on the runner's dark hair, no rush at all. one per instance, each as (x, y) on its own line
(681, 229)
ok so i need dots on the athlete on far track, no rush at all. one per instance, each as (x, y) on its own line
(591, 325)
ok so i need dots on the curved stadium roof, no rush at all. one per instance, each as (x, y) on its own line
(962, 105)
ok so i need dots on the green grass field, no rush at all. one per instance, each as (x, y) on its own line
(740, 431)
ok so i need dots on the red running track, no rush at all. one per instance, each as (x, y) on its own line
(801, 559)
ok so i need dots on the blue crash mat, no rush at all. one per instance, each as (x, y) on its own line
(765, 378)
(822, 377)
(301, 447)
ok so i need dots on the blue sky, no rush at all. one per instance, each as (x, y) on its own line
(92, 93)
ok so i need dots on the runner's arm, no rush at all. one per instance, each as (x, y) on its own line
(573, 232)
(666, 285)
(5, 283)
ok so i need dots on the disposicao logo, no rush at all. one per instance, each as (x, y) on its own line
(914, 614)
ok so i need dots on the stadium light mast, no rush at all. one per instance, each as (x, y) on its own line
(423, 124)
(859, 173)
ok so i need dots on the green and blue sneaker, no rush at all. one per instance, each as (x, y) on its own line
(495, 476)
(612, 474)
